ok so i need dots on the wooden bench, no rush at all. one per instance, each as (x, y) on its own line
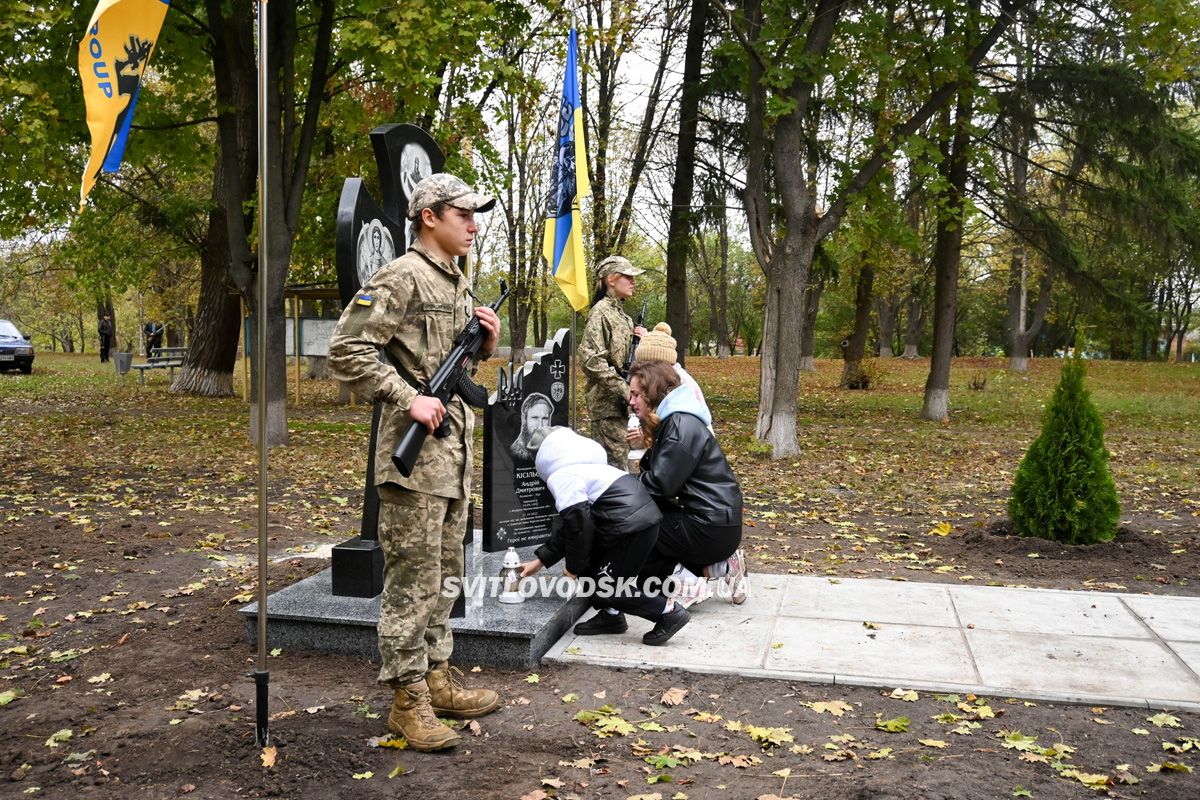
(162, 358)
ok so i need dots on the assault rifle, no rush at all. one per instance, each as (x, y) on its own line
(451, 378)
(633, 342)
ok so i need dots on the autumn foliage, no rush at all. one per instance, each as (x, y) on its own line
(1063, 489)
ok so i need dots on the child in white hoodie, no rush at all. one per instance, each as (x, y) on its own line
(606, 527)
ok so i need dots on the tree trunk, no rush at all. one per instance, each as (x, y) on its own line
(812, 304)
(780, 369)
(856, 343)
(914, 324)
(212, 351)
(946, 258)
(681, 216)
(226, 261)
(887, 309)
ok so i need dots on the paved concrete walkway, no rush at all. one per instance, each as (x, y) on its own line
(1088, 647)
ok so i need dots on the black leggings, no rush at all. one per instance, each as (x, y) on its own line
(624, 560)
(683, 540)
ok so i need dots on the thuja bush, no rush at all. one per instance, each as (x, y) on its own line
(1063, 489)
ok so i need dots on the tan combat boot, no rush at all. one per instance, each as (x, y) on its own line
(412, 718)
(450, 699)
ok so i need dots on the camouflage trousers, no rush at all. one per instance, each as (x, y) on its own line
(610, 433)
(422, 540)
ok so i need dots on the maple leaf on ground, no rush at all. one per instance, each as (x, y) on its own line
(268, 756)
(59, 737)
(673, 696)
(740, 761)
(1092, 780)
(1164, 720)
(388, 740)
(1015, 740)
(894, 725)
(835, 707)
(769, 737)
(608, 726)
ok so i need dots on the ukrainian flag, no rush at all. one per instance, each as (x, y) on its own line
(112, 60)
(563, 242)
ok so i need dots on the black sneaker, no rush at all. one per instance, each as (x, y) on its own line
(667, 626)
(603, 622)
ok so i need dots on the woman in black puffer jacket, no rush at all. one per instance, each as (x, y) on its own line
(687, 474)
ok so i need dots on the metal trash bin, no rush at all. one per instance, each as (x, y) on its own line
(123, 361)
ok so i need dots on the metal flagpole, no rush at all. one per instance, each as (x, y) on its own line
(262, 677)
(574, 370)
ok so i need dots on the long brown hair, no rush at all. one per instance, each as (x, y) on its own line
(657, 379)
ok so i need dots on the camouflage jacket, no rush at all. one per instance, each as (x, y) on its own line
(413, 307)
(602, 351)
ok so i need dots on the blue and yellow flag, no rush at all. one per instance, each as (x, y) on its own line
(112, 60)
(563, 242)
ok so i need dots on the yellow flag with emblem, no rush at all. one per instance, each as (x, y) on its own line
(113, 57)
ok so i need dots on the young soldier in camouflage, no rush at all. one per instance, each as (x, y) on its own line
(413, 308)
(602, 350)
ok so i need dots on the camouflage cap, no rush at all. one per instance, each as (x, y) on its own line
(442, 187)
(617, 265)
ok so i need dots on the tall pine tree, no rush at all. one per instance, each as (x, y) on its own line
(1063, 489)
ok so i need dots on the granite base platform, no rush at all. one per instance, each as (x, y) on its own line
(307, 615)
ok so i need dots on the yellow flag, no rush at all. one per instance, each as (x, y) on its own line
(112, 60)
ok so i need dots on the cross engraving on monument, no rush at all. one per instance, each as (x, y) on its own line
(369, 236)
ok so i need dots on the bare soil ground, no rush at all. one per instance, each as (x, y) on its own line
(128, 541)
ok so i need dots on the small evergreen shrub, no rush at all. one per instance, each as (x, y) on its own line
(1063, 489)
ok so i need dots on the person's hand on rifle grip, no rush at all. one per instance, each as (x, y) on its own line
(428, 411)
(490, 321)
(638, 330)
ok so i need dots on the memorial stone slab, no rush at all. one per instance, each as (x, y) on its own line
(517, 507)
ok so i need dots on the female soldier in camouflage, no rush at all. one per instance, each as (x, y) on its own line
(606, 339)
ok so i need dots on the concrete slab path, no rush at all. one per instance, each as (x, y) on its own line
(1081, 647)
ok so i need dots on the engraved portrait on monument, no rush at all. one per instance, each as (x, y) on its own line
(536, 411)
(375, 248)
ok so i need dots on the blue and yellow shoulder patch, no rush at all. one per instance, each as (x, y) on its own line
(363, 299)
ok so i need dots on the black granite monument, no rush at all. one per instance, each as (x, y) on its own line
(517, 506)
(368, 237)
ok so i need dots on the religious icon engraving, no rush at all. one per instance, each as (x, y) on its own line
(375, 248)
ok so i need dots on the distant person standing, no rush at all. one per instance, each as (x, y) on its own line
(154, 336)
(105, 330)
(607, 336)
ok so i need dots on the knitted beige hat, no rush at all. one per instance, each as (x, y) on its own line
(657, 345)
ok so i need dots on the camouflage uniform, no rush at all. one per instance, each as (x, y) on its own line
(602, 352)
(413, 307)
